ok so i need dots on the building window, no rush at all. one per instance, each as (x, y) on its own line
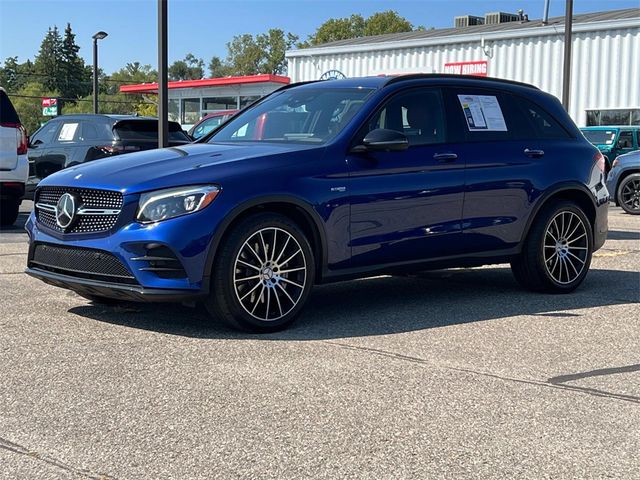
(174, 110)
(629, 116)
(190, 111)
(211, 104)
(244, 101)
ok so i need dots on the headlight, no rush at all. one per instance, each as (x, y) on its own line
(174, 202)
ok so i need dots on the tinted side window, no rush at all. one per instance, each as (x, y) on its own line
(92, 131)
(532, 121)
(7, 112)
(46, 133)
(419, 114)
(625, 140)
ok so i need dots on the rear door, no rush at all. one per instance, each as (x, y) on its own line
(9, 122)
(509, 143)
(64, 148)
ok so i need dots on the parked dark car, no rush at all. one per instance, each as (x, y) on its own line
(613, 140)
(331, 180)
(69, 140)
(624, 182)
(210, 122)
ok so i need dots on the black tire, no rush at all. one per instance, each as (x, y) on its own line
(560, 266)
(9, 211)
(98, 300)
(628, 194)
(247, 263)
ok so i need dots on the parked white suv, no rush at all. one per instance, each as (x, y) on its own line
(14, 166)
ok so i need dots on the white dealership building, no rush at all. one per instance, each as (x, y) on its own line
(605, 70)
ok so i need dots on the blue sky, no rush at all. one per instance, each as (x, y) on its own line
(203, 27)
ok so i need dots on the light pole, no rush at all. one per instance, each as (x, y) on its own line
(566, 69)
(97, 36)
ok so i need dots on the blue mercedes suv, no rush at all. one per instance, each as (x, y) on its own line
(326, 181)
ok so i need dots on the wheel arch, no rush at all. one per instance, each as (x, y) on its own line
(296, 209)
(624, 174)
(574, 192)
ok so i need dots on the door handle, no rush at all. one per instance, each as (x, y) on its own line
(533, 153)
(445, 157)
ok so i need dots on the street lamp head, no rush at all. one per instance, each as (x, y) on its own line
(100, 35)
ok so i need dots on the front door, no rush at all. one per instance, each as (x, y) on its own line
(406, 205)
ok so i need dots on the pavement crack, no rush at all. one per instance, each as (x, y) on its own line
(20, 450)
(551, 383)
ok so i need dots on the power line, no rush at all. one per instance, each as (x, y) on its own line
(106, 79)
(81, 99)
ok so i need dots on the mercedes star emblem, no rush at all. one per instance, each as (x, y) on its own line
(65, 210)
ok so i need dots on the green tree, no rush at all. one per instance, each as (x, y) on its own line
(386, 22)
(48, 61)
(27, 102)
(356, 26)
(74, 81)
(191, 68)
(336, 29)
(244, 55)
(217, 68)
(249, 55)
(273, 45)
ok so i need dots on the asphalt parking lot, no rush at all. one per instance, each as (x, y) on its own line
(450, 374)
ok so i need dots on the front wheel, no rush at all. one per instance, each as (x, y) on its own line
(556, 255)
(628, 194)
(262, 275)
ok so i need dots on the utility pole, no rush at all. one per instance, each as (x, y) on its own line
(163, 89)
(568, 38)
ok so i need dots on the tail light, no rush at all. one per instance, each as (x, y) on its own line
(22, 139)
(599, 161)
(615, 163)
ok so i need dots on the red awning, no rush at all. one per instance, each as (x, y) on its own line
(206, 82)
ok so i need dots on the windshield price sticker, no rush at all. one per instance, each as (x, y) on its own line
(483, 113)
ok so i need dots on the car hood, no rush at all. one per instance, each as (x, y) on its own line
(169, 167)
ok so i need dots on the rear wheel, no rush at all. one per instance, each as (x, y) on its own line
(628, 195)
(9, 211)
(262, 275)
(557, 252)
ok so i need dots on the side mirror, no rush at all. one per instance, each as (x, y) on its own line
(34, 144)
(382, 139)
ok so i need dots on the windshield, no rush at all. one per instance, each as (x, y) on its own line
(600, 137)
(296, 116)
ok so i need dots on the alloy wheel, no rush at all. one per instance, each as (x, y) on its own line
(630, 194)
(270, 274)
(565, 247)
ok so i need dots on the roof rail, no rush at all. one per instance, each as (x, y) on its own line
(417, 76)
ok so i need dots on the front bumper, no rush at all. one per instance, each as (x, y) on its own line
(186, 240)
(112, 290)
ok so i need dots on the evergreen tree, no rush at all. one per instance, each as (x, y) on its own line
(48, 61)
(73, 74)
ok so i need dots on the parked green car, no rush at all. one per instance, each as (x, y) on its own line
(613, 141)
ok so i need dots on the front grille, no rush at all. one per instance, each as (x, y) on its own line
(90, 198)
(80, 262)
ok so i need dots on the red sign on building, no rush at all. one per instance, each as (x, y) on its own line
(478, 68)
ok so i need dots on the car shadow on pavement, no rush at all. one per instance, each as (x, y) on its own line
(622, 235)
(18, 225)
(387, 305)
